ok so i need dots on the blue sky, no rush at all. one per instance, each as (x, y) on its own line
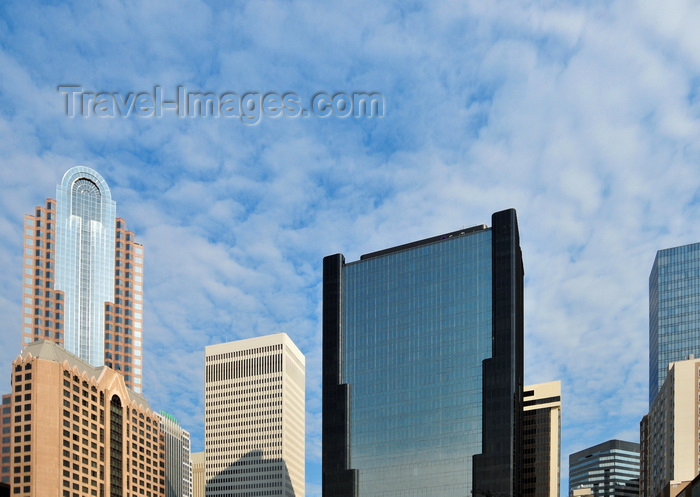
(584, 117)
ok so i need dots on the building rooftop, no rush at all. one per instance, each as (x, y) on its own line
(50, 351)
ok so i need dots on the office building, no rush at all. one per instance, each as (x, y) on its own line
(78, 431)
(82, 280)
(198, 475)
(423, 367)
(670, 433)
(609, 469)
(83, 277)
(178, 465)
(6, 445)
(542, 439)
(674, 311)
(254, 418)
(689, 489)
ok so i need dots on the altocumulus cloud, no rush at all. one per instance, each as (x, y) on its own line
(583, 118)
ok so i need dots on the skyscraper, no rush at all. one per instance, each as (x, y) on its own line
(254, 418)
(178, 465)
(674, 311)
(609, 469)
(542, 439)
(423, 367)
(79, 431)
(83, 277)
(670, 433)
(198, 474)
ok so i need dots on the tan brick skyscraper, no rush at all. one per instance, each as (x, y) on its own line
(83, 277)
(78, 431)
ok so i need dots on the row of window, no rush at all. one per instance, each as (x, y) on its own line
(242, 399)
(250, 458)
(243, 368)
(241, 353)
(247, 382)
(38, 233)
(252, 410)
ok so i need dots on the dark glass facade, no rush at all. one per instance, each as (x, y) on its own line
(674, 311)
(610, 469)
(422, 367)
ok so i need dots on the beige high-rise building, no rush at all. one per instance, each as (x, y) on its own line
(198, 476)
(83, 277)
(542, 439)
(254, 418)
(78, 431)
(670, 433)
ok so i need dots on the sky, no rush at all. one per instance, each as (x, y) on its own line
(583, 116)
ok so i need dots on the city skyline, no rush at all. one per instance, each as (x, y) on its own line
(582, 116)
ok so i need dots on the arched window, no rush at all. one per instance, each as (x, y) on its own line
(116, 447)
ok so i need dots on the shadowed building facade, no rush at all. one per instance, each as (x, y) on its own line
(542, 439)
(423, 367)
(6, 445)
(254, 418)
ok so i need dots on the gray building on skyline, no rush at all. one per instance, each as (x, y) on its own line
(178, 463)
(609, 469)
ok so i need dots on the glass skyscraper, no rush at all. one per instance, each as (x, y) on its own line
(83, 276)
(86, 222)
(423, 367)
(674, 311)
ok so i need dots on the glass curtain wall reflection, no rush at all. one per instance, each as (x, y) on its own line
(410, 339)
(86, 220)
(674, 311)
